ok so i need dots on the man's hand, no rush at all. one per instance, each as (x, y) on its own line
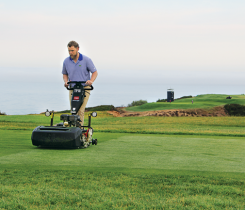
(66, 85)
(65, 78)
(93, 77)
(89, 82)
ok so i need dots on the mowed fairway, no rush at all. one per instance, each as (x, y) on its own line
(138, 151)
(126, 170)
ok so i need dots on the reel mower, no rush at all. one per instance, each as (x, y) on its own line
(69, 133)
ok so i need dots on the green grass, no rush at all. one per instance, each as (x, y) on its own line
(124, 171)
(218, 126)
(127, 169)
(207, 101)
(117, 150)
(29, 122)
(56, 189)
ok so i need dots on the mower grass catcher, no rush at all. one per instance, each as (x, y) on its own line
(69, 134)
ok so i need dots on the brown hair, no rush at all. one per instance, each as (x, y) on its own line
(73, 43)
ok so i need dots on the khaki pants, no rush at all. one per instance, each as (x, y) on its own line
(82, 108)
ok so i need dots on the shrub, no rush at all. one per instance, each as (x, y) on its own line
(137, 103)
(161, 100)
(101, 108)
(64, 111)
(235, 109)
(184, 97)
(2, 113)
(96, 108)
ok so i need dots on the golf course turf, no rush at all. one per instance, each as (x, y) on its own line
(139, 163)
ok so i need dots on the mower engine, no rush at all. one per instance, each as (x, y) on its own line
(70, 120)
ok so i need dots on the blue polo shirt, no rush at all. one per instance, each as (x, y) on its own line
(79, 71)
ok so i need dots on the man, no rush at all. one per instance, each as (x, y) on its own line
(77, 67)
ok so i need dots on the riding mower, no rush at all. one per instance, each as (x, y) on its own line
(69, 133)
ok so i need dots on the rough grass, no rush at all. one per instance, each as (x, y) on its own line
(217, 126)
(29, 122)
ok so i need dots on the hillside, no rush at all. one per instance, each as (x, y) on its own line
(206, 102)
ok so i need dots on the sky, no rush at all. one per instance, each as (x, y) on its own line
(130, 41)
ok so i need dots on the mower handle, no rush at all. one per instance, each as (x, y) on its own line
(76, 82)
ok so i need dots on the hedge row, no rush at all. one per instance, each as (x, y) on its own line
(235, 109)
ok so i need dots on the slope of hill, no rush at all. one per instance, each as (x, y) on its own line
(207, 101)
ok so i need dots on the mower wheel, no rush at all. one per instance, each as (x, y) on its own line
(94, 141)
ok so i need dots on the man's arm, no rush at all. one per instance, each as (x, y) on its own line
(65, 78)
(93, 77)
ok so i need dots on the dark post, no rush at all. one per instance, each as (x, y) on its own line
(89, 120)
(170, 95)
(52, 118)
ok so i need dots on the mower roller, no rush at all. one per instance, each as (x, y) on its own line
(69, 133)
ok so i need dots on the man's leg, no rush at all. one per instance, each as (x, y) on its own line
(82, 108)
(70, 95)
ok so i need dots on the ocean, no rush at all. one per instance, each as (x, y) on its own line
(20, 98)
